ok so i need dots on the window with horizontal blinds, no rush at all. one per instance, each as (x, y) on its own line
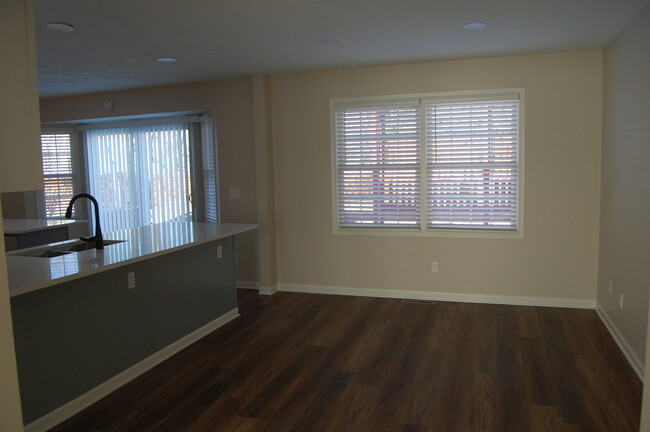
(447, 162)
(378, 166)
(472, 164)
(58, 173)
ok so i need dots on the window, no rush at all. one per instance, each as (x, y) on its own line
(141, 171)
(378, 159)
(146, 174)
(58, 172)
(438, 164)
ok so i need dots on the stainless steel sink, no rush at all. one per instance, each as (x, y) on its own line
(48, 253)
(79, 247)
(53, 251)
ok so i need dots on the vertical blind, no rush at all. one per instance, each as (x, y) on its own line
(466, 167)
(209, 169)
(58, 173)
(140, 175)
(378, 166)
(472, 164)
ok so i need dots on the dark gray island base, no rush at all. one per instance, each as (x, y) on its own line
(80, 339)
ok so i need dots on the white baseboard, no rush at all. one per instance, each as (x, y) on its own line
(247, 285)
(268, 290)
(66, 411)
(263, 290)
(625, 347)
(440, 296)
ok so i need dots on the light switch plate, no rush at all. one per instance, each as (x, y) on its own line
(131, 280)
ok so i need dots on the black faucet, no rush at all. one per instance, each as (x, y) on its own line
(97, 238)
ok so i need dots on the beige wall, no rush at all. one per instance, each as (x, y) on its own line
(20, 162)
(13, 205)
(231, 102)
(19, 124)
(625, 204)
(557, 259)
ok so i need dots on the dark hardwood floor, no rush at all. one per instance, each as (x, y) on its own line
(303, 362)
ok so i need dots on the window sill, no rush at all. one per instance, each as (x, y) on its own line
(416, 232)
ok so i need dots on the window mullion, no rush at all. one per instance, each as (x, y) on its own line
(424, 196)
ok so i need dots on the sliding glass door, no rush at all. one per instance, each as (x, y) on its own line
(140, 175)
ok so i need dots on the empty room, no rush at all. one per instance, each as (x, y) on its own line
(325, 216)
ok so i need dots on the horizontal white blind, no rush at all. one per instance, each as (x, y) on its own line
(472, 164)
(378, 166)
(58, 173)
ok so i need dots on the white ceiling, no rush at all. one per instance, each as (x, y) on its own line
(116, 42)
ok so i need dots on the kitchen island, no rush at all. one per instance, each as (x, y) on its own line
(86, 323)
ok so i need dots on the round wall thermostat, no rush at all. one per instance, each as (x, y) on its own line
(108, 105)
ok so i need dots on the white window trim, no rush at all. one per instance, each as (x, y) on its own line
(423, 98)
(132, 123)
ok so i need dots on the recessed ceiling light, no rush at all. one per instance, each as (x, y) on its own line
(166, 59)
(475, 26)
(60, 27)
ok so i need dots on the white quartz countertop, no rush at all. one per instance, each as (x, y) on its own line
(28, 274)
(22, 226)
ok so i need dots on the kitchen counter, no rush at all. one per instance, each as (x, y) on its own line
(26, 233)
(23, 226)
(27, 274)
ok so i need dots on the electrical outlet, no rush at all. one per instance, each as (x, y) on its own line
(219, 252)
(235, 192)
(130, 277)
(621, 297)
(610, 288)
(434, 267)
